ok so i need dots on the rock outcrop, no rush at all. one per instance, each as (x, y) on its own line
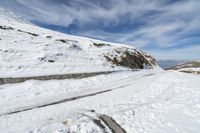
(130, 58)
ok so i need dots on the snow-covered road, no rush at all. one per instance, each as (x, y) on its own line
(161, 102)
(94, 85)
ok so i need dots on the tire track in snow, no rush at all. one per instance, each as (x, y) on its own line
(70, 99)
(62, 101)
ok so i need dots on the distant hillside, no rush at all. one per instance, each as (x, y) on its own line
(169, 63)
(189, 67)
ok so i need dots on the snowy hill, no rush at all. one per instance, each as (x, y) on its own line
(165, 64)
(189, 67)
(110, 88)
(28, 50)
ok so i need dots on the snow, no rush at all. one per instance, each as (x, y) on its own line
(142, 101)
(23, 54)
(191, 69)
(162, 102)
(34, 93)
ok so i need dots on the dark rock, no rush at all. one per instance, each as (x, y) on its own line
(33, 34)
(42, 58)
(100, 44)
(132, 59)
(92, 110)
(62, 40)
(49, 37)
(6, 28)
(51, 61)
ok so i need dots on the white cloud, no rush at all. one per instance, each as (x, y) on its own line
(165, 25)
(187, 53)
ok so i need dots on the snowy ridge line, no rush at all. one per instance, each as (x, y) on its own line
(51, 77)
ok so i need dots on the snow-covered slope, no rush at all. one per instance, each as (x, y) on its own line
(189, 67)
(145, 101)
(28, 50)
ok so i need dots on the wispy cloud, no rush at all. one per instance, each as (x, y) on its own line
(159, 24)
(185, 53)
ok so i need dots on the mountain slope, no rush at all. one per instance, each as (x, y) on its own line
(28, 50)
(189, 67)
(149, 100)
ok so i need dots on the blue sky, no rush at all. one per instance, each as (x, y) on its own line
(167, 29)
